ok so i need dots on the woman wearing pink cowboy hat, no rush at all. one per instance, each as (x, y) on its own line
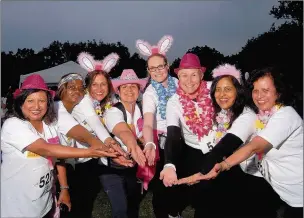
(29, 141)
(189, 116)
(124, 120)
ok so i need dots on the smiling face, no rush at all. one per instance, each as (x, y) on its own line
(225, 93)
(74, 92)
(99, 88)
(190, 80)
(35, 106)
(158, 68)
(264, 93)
(128, 93)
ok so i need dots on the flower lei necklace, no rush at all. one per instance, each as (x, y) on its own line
(223, 122)
(164, 94)
(263, 118)
(100, 111)
(199, 123)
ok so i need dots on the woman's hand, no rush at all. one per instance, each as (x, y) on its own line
(169, 177)
(191, 180)
(64, 198)
(150, 153)
(121, 160)
(101, 152)
(137, 155)
(213, 173)
(111, 143)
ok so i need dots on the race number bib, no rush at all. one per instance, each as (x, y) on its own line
(263, 168)
(42, 181)
(207, 143)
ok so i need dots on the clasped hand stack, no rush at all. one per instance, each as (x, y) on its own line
(169, 177)
(112, 148)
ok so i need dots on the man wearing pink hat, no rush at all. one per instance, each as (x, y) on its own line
(189, 116)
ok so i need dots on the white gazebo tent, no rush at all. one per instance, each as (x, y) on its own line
(52, 75)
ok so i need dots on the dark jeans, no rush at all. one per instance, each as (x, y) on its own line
(85, 189)
(123, 190)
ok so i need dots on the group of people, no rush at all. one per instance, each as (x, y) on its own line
(228, 148)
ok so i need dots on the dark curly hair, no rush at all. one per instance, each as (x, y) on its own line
(240, 101)
(50, 115)
(284, 93)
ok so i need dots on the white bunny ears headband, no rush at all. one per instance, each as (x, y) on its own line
(87, 61)
(161, 48)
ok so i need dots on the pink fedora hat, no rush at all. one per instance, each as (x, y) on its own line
(34, 81)
(128, 76)
(190, 61)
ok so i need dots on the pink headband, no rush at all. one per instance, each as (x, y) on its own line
(87, 61)
(227, 69)
(161, 48)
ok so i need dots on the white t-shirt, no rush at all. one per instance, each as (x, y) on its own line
(113, 116)
(282, 166)
(85, 114)
(65, 123)
(243, 127)
(174, 115)
(150, 105)
(26, 178)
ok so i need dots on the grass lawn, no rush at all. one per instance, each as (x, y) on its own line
(102, 207)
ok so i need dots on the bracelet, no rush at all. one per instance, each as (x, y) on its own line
(228, 165)
(152, 143)
(64, 187)
(171, 166)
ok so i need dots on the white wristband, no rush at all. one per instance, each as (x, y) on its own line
(151, 143)
(170, 165)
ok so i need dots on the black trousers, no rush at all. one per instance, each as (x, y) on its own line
(232, 194)
(291, 212)
(85, 188)
(162, 201)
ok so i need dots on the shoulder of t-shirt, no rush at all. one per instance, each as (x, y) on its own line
(289, 113)
(248, 110)
(149, 91)
(112, 110)
(60, 107)
(84, 103)
(173, 100)
(14, 123)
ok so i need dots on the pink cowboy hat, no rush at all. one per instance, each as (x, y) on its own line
(34, 81)
(190, 61)
(128, 76)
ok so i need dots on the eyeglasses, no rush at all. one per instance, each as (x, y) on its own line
(76, 88)
(159, 67)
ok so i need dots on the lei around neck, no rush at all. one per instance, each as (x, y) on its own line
(200, 122)
(223, 119)
(164, 94)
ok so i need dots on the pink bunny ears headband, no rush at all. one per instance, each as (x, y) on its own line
(227, 69)
(161, 48)
(87, 62)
